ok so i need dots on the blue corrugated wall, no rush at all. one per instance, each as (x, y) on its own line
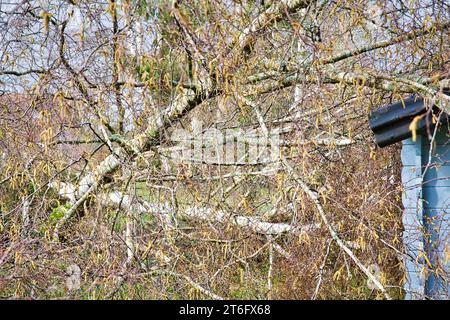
(426, 199)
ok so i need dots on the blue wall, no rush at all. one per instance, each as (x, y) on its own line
(426, 200)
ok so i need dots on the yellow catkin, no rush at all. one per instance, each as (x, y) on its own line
(46, 16)
(413, 127)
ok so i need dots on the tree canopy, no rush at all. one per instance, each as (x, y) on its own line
(207, 148)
